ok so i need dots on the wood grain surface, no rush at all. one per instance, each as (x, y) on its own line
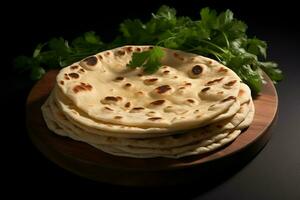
(86, 161)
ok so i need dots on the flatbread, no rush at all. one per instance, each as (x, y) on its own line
(191, 105)
(51, 124)
(159, 142)
(203, 146)
(249, 118)
(82, 120)
(187, 92)
(209, 147)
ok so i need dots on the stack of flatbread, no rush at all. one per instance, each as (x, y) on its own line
(191, 105)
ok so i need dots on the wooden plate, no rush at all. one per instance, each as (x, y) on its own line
(92, 163)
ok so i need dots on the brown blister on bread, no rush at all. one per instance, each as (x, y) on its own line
(157, 102)
(154, 118)
(222, 70)
(127, 105)
(214, 81)
(81, 71)
(73, 75)
(209, 62)
(166, 72)
(241, 92)
(119, 78)
(228, 99)
(162, 89)
(150, 81)
(197, 69)
(139, 93)
(74, 67)
(230, 83)
(127, 85)
(111, 100)
(136, 109)
(129, 49)
(192, 101)
(91, 61)
(120, 53)
(205, 89)
(118, 117)
(82, 87)
(66, 77)
(108, 108)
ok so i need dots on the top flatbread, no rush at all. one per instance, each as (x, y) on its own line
(187, 91)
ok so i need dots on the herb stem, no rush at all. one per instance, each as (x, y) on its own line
(213, 45)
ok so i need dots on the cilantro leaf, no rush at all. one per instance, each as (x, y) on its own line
(37, 50)
(60, 46)
(92, 38)
(257, 47)
(245, 67)
(37, 73)
(209, 18)
(133, 31)
(225, 18)
(138, 59)
(272, 70)
(150, 60)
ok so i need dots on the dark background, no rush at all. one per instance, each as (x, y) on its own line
(273, 174)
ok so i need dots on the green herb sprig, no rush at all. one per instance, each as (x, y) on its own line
(218, 36)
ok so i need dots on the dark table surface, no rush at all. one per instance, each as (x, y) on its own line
(273, 174)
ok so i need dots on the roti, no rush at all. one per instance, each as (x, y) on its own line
(187, 92)
(204, 145)
(159, 142)
(191, 105)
